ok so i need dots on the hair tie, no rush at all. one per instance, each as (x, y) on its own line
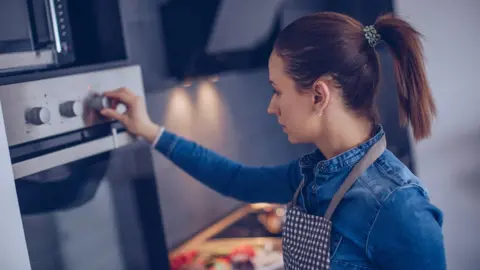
(372, 36)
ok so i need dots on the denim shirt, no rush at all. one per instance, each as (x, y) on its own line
(385, 221)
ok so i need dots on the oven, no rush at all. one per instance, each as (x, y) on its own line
(34, 34)
(85, 189)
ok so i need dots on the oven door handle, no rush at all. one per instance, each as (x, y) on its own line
(71, 154)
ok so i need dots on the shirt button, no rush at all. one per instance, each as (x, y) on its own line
(322, 168)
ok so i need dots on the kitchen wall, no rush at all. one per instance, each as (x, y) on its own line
(448, 162)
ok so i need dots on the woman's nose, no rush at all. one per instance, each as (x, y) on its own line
(271, 108)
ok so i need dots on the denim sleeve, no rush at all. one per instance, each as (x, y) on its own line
(273, 184)
(407, 233)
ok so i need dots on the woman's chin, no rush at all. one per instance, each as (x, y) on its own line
(296, 139)
(292, 139)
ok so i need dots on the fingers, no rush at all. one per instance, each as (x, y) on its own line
(123, 95)
(113, 114)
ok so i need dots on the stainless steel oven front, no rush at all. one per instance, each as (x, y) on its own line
(85, 188)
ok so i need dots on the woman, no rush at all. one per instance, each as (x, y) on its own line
(354, 205)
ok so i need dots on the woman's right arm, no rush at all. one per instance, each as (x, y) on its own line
(274, 184)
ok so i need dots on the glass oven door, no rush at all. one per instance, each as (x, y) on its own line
(88, 200)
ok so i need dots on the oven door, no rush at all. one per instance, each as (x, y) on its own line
(34, 34)
(88, 200)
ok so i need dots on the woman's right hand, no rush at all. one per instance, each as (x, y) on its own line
(136, 118)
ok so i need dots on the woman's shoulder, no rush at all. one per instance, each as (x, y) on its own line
(394, 189)
(398, 199)
(389, 175)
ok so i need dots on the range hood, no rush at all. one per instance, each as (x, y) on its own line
(204, 38)
(207, 37)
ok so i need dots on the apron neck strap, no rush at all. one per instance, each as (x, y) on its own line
(295, 197)
(370, 157)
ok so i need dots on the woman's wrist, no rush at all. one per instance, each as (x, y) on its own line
(152, 131)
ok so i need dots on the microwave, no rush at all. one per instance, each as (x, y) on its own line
(34, 35)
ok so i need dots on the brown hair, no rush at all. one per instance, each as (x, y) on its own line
(333, 44)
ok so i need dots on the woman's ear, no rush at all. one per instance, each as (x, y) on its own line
(321, 96)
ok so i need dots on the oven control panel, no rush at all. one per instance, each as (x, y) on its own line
(40, 109)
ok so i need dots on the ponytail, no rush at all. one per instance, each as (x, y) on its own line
(415, 98)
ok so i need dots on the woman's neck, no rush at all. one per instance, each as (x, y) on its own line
(343, 135)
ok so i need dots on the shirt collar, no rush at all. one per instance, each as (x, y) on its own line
(317, 161)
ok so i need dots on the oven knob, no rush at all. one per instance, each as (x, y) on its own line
(38, 116)
(99, 102)
(71, 109)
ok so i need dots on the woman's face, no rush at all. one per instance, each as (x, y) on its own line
(295, 110)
